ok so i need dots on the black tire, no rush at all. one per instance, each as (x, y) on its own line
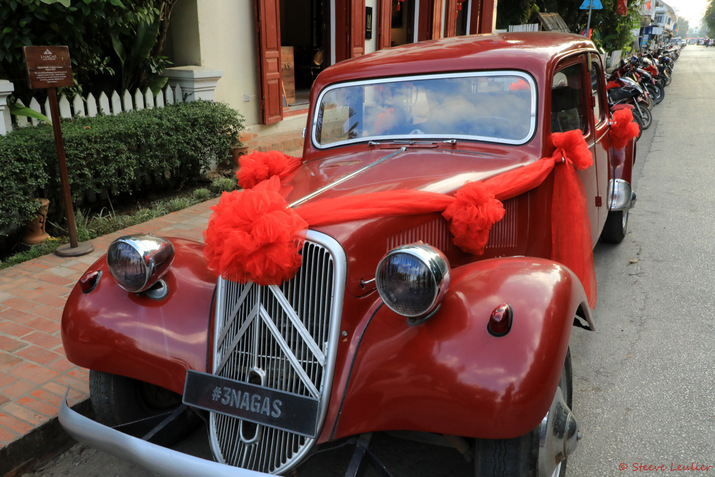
(645, 116)
(660, 94)
(118, 400)
(640, 126)
(656, 93)
(614, 231)
(519, 457)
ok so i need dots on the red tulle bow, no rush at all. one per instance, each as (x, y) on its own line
(259, 166)
(471, 216)
(254, 236)
(624, 129)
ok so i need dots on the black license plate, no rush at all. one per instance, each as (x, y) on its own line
(279, 409)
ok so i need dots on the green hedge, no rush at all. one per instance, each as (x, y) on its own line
(114, 155)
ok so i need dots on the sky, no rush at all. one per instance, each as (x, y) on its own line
(691, 10)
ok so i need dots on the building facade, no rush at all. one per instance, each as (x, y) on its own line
(658, 23)
(268, 52)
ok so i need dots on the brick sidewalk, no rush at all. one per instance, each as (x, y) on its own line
(34, 374)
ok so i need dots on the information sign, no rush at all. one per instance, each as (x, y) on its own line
(48, 66)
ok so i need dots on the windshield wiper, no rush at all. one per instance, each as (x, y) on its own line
(412, 142)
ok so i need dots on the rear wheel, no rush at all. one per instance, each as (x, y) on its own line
(118, 400)
(521, 456)
(638, 121)
(645, 116)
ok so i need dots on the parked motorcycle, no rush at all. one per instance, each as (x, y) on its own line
(624, 90)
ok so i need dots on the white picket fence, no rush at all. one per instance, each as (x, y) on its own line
(185, 84)
(91, 106)
(525, 27)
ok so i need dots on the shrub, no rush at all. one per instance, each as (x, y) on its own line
(223, 184)
(201, 195)
(22, 174)
(133, 152)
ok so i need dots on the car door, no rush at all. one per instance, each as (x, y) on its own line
(571, 108)
(599, 124)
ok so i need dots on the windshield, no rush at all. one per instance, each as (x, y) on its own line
(492, 106)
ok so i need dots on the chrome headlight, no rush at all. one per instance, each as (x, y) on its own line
(413, 279)
(137, 261)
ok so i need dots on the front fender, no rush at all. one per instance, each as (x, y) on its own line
(118, 332)
(449, 375)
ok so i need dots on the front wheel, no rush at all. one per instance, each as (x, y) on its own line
(528, 455)
(118, 400)
(614, 231)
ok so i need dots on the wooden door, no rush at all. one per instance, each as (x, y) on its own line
(349, 29)
(384, 24)
(269, 53)
(430, 21)
(450, 20)
(357, 28)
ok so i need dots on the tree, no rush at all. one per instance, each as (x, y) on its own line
(95, 32)
(683, 27)
(612, 31)
(709, 18)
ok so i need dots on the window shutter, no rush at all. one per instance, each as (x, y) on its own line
(357, 28)
(384, 24)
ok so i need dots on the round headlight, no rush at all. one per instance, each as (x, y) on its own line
(412, 279)
(137, 261)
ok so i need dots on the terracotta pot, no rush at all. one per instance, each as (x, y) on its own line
(35, 230)
(236, 154)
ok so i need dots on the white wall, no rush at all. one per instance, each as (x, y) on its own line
(228, 41)
(371, 45)
(220, 34)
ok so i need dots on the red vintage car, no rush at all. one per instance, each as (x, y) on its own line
(419, 269)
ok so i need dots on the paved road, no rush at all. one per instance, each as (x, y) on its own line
(645, 380)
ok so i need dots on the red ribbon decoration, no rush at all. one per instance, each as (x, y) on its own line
(623, 128)
(253, 235)
(259, 166)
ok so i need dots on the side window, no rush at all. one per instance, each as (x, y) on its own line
(567, 105)
(596, 85)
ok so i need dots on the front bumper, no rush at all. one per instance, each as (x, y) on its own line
(158, 459)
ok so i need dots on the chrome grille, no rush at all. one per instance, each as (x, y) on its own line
(282, 337)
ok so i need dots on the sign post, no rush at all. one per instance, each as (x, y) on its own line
(590, 5)
(49, 67)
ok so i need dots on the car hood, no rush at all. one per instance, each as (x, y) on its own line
(430, 167)
(433, 169)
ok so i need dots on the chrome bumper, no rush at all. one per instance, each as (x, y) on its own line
(150, 456)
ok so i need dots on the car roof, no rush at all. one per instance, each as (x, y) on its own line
(528, 51)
